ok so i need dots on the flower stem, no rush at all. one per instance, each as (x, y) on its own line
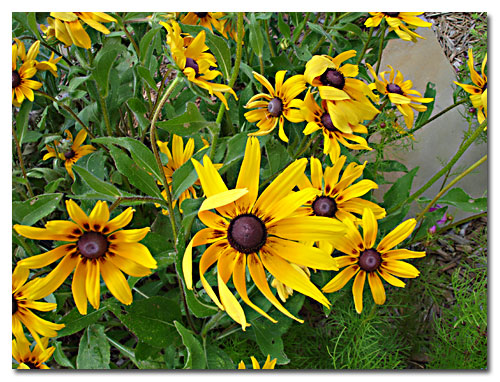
(136, 47)
(154, 147)
(269, 41)
(21, 162)
(65, 107)
(370, 34)
(146, 199)
(381, 48)
(439, 174)
(232, 81)
(452, 183)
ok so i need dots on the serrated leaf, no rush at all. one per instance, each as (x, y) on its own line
(151, 320)
(188, 123)
(30, 211)
(94, 349)
(196, 356)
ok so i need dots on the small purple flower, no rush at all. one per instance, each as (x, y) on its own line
(443, 220)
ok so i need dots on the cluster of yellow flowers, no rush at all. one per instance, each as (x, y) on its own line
(290, 228)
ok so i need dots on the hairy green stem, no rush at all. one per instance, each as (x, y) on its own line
(232, 81)
(21, 162)
(370, 34)
(443, 171)
(146, 199)
(154, 147)
(381, 47)
(136, 47)
(268, 38)
(65, 107)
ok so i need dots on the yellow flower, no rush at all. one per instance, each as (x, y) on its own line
(284, 291)
(176, 159)
(31, 359)
(279, 104)
(267, 365)
(399, 22)
(363, 260)
(50, 65)
(205, 19)
(22, 84)
(478, 91)
(70, 151)
(338, 198)
(347, 103)
(66, 26)
(400, 93)
(97, 247)
(193, 59)
(318, 118)
(257, 232)
(24, 296)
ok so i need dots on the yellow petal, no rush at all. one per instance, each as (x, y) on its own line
(340, 279)
(78, 287)
(289, 276)
(378, 291)
(231, 304)
(119, 221)
(47, 258)
(93, 283)
(116, 282)
(370, 228)
(357, 290)
(397, 235)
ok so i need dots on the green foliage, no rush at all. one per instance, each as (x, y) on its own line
(128, 92)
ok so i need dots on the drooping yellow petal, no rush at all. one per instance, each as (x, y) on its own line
(116, 282)
(377, 288)
(341, 279)
(231, 304)
(78, 287)
(93, 283)
(357, 290)
(289, 276)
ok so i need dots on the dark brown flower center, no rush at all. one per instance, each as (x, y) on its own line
(369, 260)
(69, 154)
(31, 365)
(190, 63)
(201, 14)
(393, 88)
(92, 245)
(391, 14)
(485, 86)
(332, 77)
(275, 107)
(324, 206)
(327, 122)
(16, 79)
(14, 305)
(247, 233)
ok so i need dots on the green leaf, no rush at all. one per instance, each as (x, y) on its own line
(188, 123)
(22, 120)
(103, 63)
(430, 220)
(256, 38)
(147, 77)
(96, 184)
(141, 154)
(74, 321)
(183, 178)
(146, 42)
(430, 92)
(319, 29)
(283, 26)
(32, 210)
(151, 320)
(33, 25)
(218, 46)
(136, 175)
(125, 350)
(269, 340)
(217, 359)
(94, 349)
(196, 356)
(463, 201)
(60, 357)
(400, 190)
